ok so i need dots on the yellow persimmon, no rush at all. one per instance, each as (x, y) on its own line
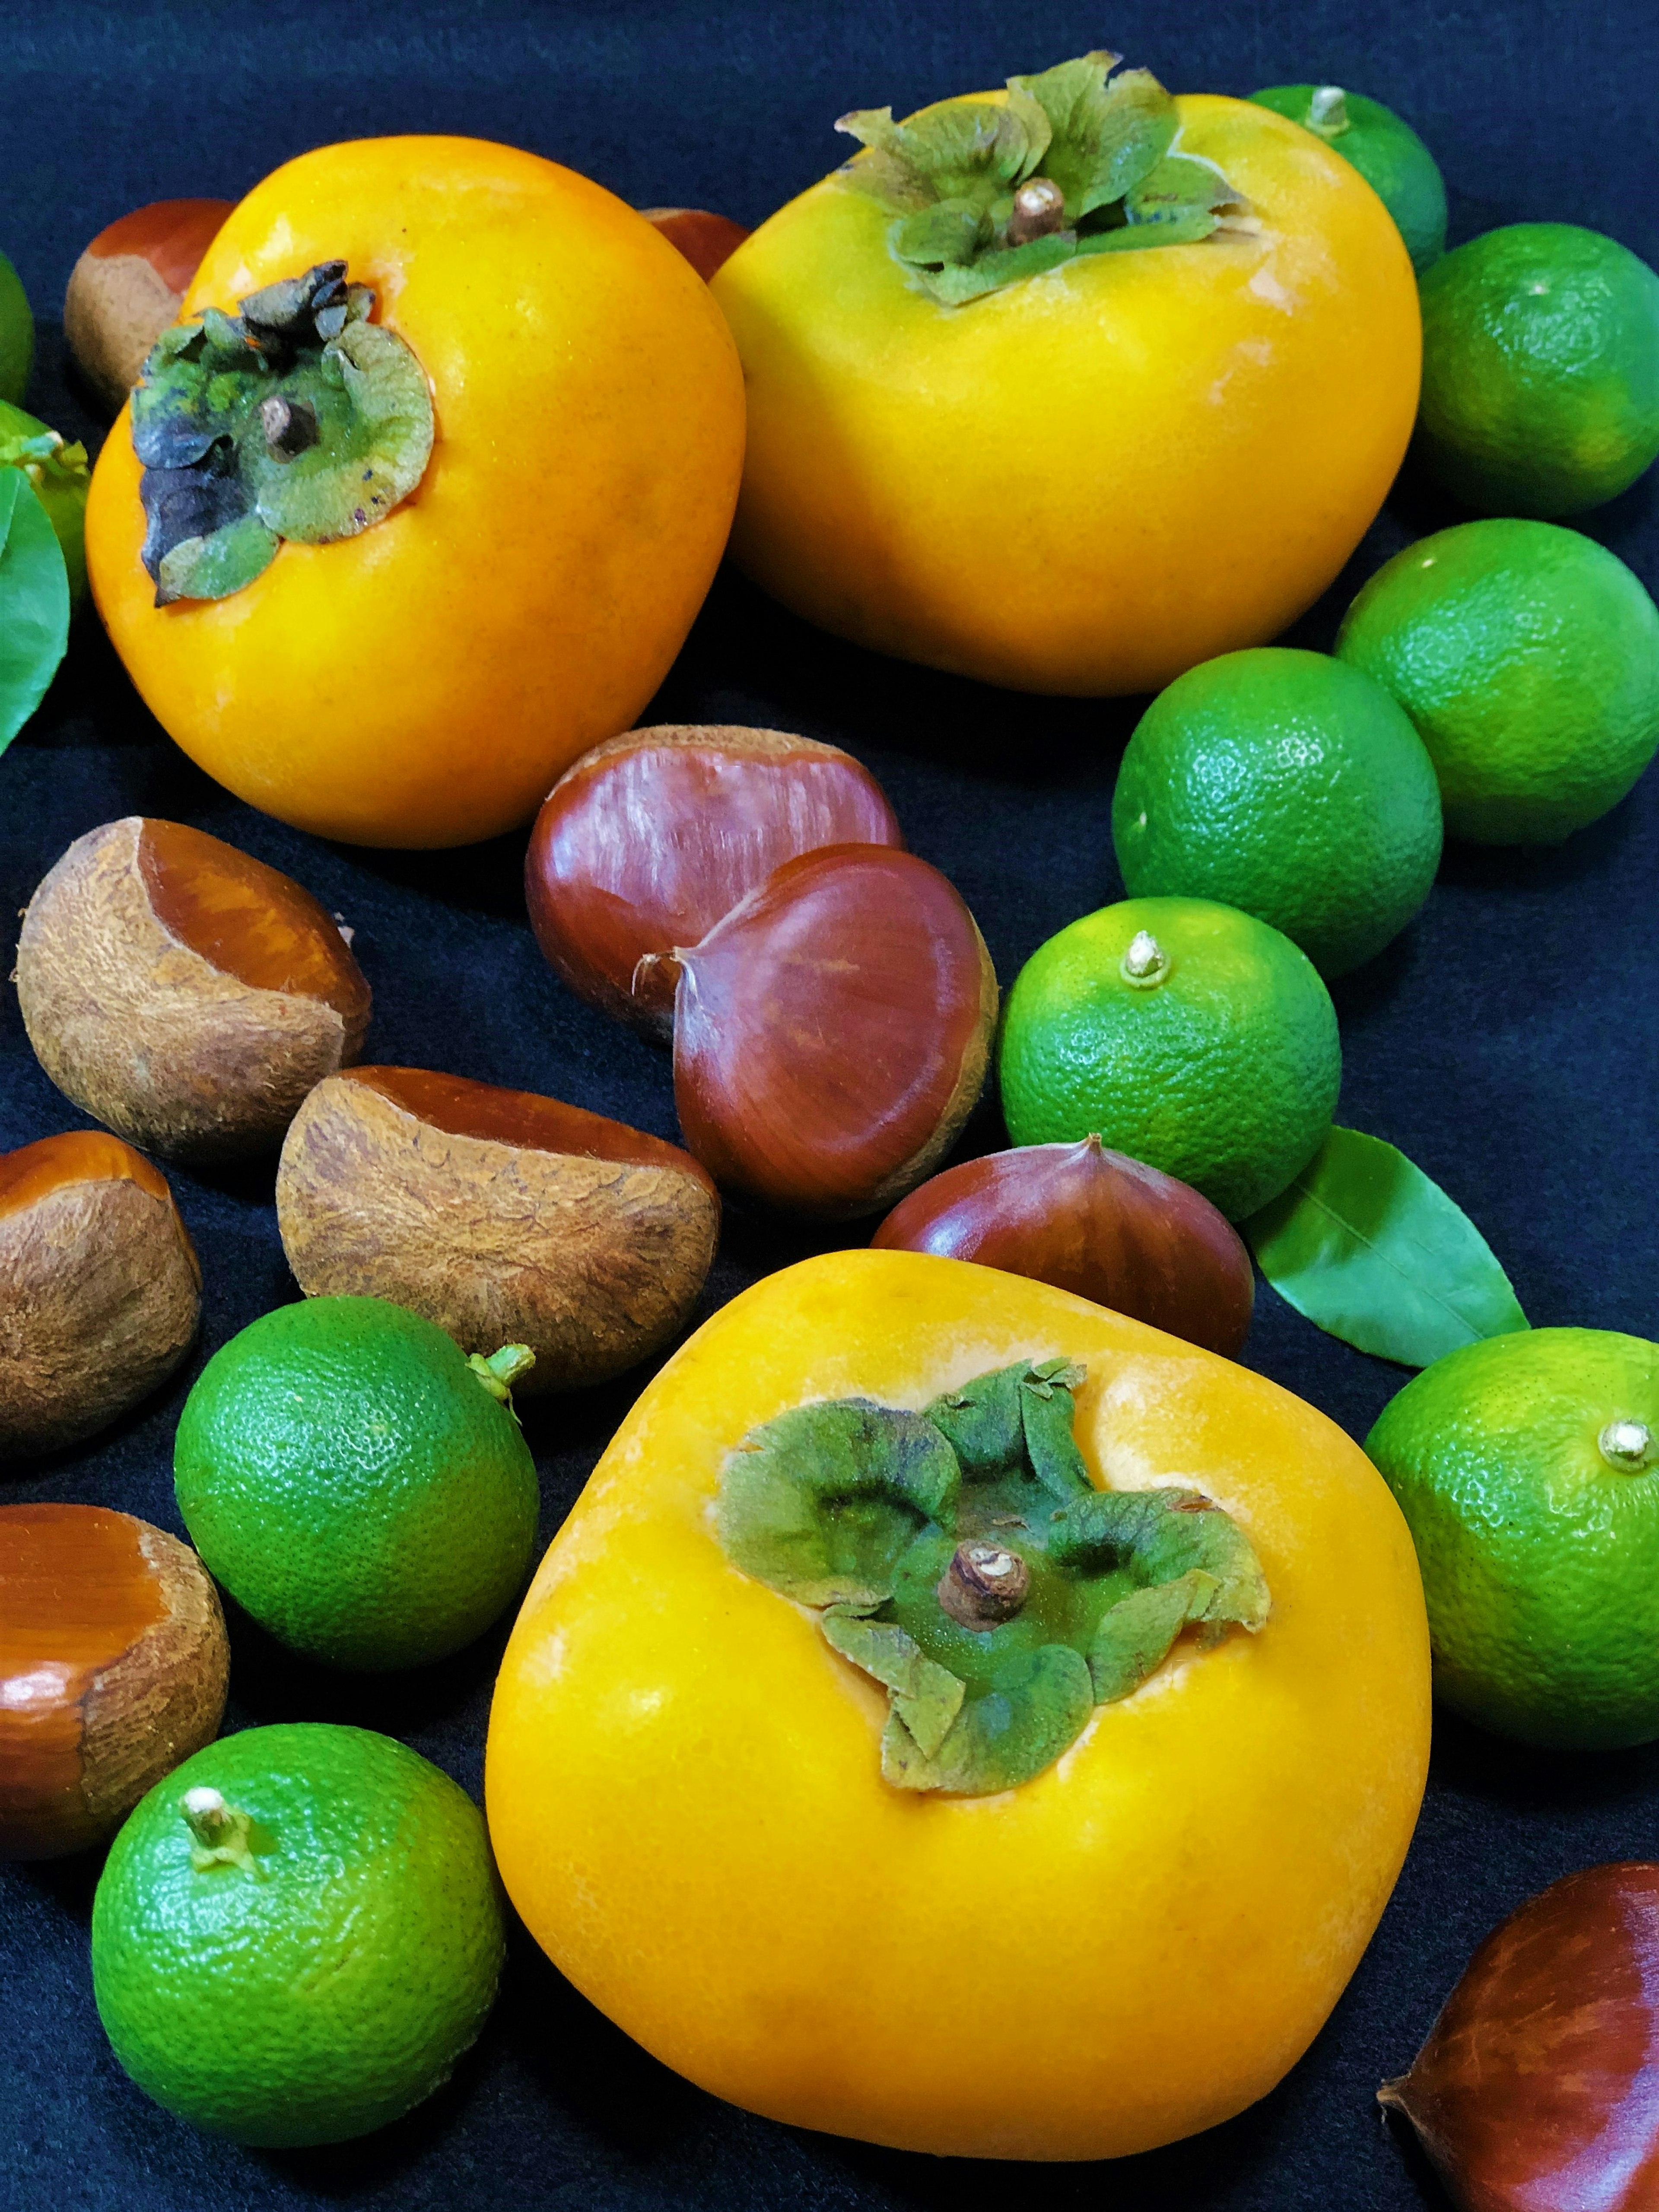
(689, 1793)
(422, 681)
(1087, 477)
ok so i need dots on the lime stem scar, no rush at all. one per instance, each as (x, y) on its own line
(1145, 963)
(1626, 1445)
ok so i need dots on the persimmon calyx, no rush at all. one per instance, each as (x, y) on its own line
(964, 1559)
(964, 180)
(295, 418)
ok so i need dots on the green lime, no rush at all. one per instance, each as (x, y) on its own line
(61, 479)
(1540, 370)
(1387, 152)
(1290, 784)
(1528, 1469)
(357, 1483)
(1528, 658)
(297, 1934)
(16, 334)
(1187, 1034)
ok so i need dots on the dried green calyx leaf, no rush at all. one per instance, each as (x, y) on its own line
(295, 418)
(965, 1561)
(1075, 162)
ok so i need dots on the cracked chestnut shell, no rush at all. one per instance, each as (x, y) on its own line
(648, 840)
(504, 1217)
(183, 993)
(831, 1032)
(1538, 2087)
(1093, 1221)
(100, 1287)
(114, 1666)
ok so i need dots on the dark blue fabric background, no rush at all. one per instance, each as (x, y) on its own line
(1507, 1042)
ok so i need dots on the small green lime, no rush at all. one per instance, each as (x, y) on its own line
(1290, 784)
(356, 1484)
(1387, 152)
(1528, 1470)
(297, 1934)
(61, 479)
(16, 335)
(1187, 1034)
(1540, 370)
(1528, 656)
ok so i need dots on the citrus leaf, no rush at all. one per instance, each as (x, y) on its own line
(34, 603)
(1371, 1251)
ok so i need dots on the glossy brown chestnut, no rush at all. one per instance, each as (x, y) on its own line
(705, 239)
(114, 1664)
(184, 993)
(127, 287)
(647, 841)
(1538, 2089)
(504, 1217)
(1093, 1221)
(831, 1032)
(100, 1288)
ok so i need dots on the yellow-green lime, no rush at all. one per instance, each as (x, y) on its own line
(1185, 1033)
(1387, 152)
(357, 1483)
(1528, 1469)
(1528, 656)
(16, 335)
(1540, 370)
(297, 1934)
(1288, 784)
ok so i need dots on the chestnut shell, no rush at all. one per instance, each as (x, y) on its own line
(1093, 1221)
(1538, 2087)
(645, 843)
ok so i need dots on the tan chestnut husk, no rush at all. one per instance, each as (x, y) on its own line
(183, 993)
(100, 1288)
(832, 1033)
(645, 843)
(1538, 2087)
(114, 1667)
(1093, 1221)
(504, 1217)
(127, 288)
(707, 241)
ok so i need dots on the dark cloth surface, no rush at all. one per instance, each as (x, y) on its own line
(1507, 1042)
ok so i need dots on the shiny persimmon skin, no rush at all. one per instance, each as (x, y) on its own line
(1093, 479)
(685, 1800)
(424, 683)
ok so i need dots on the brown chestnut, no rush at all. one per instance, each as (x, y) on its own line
(1093, 1221)
(127, 288)
(113, 1665)
(183, 993)
(645, 841)
(100, 1288)
(1538, 2087)
(831, 1032)
(503, 1216)
(705, 239)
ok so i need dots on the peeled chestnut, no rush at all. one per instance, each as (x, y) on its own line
(100, 1288)
(185, 994)
(127, 288)
(831, 1032)
(113, 1665)
(504, 1217)
(1093, 1221)
(647, 841)
(1538, 2089)
(705, 239)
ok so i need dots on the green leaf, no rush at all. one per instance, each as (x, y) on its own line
(1369, 1248)
(1106, 137)
(34, 603)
